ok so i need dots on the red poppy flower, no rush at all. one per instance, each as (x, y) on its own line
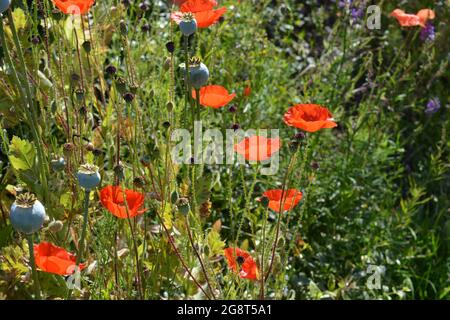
(53, 259)
(257, 148)
(309, 117)
(203, 10)
(291, 198)
(242, 262)
(412, 20)
(112, 198)
(74, 6)
(214, 96)
(247, 91)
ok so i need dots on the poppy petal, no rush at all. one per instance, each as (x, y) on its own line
(214, 96)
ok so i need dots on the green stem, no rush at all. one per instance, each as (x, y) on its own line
(37, 290)
(33, 119)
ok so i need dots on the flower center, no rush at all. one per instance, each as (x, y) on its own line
(88, 168)
(240, 260)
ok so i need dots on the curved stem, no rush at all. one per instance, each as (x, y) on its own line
(37, 290)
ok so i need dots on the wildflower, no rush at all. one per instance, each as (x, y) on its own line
(257, 148)
(291, 198)
(203, 11)
(433, 106)
(27, 213)
(241, 261)
(428, 33)
(122, 203)
(214, 96)
(54, 259)
(74, 6)
(309, 117)
(412, 20)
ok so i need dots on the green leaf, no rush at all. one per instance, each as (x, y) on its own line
(22, 154)
(215, 244)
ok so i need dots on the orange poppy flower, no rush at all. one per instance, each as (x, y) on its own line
(412, 20)
(291, 198)
(309, 117)
(203, 10)
(53, 259)
(112, 198)
(242, 262)
(74, 6)
(257, 148)
(214, 96)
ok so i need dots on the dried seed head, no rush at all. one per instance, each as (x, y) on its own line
(88, 168)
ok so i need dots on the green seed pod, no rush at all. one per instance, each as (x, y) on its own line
(183, 206)
(174, 197)
(87, 46)
(169, 106)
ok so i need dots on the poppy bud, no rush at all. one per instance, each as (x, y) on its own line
(97, 152)
(139, 182)
(174, 197)
(299, 136)
(55, 226)
(87, 46)
(128, 97)
(35, 40)
(315, 165)
(111, 70)
(75, 77)
(123, 27)
(170, 46)
(232, 108)
(264, 201)
(121, 85)
(166, 64)
(57, 14)
(119, 171)
(169, 106)
(90, 147)
(68, 148)
(79, 94)
(143, 6)
(293, 145)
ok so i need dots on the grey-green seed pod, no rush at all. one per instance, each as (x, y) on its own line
(174, 197)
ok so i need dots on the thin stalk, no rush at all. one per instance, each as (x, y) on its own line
(83, 234)
(280, 213)
(188, 228)
(261, 292)
(37, 290)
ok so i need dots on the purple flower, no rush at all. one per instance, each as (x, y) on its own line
(428, 33)
(433, 106)
(357, 14)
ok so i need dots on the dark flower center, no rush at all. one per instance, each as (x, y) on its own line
(240, 260)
